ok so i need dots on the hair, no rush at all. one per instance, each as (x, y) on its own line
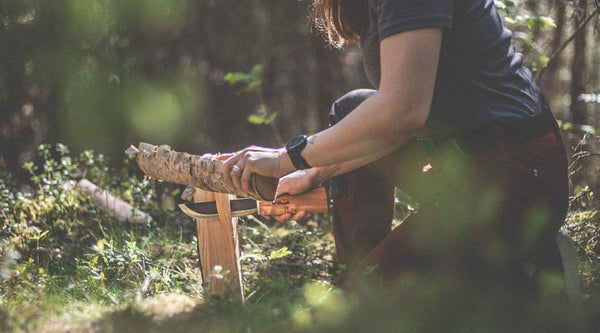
(340, 21)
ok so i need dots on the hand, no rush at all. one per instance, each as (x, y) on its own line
(269, 162)
(296, 183)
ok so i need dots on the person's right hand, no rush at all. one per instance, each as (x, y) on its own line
(296, 183)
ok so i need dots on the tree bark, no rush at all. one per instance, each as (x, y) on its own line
(579, 68)
(551, 84)
(202, 171)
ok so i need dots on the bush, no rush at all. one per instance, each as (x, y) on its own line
(63, 257)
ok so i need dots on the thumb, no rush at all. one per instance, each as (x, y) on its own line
(286, 186)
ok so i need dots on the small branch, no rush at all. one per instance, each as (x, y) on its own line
(109, 203)
(554, 55)
(582, 194)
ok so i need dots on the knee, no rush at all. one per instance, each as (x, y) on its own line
(345, 104)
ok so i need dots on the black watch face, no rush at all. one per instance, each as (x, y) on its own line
(296, 141)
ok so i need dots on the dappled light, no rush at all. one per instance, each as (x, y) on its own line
(82, 80)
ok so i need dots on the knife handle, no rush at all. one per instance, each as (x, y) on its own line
(313, 201)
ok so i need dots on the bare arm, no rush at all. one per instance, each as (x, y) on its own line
(379, 126)
(389, 118)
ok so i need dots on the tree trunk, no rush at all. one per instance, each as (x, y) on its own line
(578, 69)
(551, 84)
(205, 172)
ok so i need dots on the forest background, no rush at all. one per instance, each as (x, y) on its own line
(104, 74)
(215, 76)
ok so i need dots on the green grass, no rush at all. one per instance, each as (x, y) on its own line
(67, 266)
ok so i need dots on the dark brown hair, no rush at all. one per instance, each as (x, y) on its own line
(339, 21)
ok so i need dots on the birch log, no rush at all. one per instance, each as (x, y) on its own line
(110, 204)
(202, 171)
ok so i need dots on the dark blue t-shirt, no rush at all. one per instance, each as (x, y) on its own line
(480, 76)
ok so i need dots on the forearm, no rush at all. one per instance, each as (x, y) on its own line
(388, 119)
(321, 174)
(376, 128)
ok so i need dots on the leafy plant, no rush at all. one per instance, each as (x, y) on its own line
(251, 83)
(59, 254)
(250, 80)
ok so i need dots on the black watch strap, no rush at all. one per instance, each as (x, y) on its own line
(294, 149)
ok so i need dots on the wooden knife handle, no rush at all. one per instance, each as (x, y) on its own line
(313, 201)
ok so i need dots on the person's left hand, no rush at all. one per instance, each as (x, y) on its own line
(239, 167)
(296, 183)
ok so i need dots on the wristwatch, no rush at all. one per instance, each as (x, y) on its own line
(294, 147)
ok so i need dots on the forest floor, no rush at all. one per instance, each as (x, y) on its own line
(67, 266)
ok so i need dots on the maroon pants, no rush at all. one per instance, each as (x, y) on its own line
(492, 213)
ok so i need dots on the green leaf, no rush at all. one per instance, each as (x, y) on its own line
(539, 23)
(280, 253)
(541, 62)
(38, 237)
(233, 78)
(253, 86)
(261, 117)
(28, 166)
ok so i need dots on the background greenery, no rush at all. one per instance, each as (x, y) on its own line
(217, 75)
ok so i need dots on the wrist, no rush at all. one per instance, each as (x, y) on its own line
(285, 163)
(294, 148)
(316, 176)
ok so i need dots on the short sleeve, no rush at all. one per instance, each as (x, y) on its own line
(395, 16)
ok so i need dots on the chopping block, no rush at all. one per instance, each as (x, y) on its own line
(218, 234)
(219, 246)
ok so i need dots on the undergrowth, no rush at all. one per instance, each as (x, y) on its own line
(68, 266)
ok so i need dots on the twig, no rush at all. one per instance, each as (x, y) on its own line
(580, 195)
(566, 42)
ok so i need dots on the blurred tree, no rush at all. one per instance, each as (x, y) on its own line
(551, 82)
(102, 74)
(579, 66)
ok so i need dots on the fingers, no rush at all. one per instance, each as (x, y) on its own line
(296, 217)
(239, 167)
(236, 173)
(285, 217)
(228, 174)
(223, 157)
(245, 180)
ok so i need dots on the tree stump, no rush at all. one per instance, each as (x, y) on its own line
(219, 247)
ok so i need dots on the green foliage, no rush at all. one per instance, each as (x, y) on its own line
(251, 83)
(251, 80)
(534, 24)
(262, 117)
(79, 67)
(63, 258)
(279, 253)
(527, 27)
(59, 253)
(58, 247)
(584, 228)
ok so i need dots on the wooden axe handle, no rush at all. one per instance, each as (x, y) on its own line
(313, 201)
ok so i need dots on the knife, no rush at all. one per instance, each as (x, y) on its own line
(313, 201)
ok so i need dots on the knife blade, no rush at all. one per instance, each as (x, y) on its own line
(314, 201)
